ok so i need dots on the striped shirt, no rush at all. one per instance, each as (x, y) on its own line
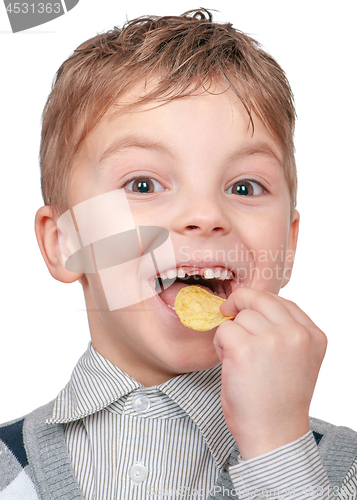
(131, 442)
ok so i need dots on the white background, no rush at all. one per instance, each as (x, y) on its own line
(43, 322)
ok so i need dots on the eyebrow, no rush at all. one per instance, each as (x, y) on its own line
(260, 148)
(132, 141)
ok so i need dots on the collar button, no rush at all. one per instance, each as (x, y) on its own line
(140, 403)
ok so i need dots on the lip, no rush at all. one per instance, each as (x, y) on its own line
(196, 267)
(166, 309)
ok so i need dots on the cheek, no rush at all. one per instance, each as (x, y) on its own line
(268, 249)
(126, 319)
(151, 216)
(96, 292)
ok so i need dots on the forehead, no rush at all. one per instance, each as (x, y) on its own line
(204, 127)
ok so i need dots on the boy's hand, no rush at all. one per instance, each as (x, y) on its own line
(271, 354)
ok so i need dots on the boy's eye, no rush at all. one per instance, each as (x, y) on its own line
(246, 188)
(144, 185)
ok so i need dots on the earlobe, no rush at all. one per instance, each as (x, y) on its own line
(291, 247)
(47, 238)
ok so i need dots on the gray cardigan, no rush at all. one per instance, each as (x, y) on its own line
(35, 464)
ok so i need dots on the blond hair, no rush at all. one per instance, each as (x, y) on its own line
(184, 53)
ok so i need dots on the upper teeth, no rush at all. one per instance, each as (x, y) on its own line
(208, 273)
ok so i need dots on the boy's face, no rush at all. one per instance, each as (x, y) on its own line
(194, 167)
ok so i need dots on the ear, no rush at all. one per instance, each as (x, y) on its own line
(291, 247)
(47, 238)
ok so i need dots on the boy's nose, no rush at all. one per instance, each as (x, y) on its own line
(202, 218)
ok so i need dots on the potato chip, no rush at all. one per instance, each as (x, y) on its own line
(199, 309)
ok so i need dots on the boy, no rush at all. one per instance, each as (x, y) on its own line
(167, 160)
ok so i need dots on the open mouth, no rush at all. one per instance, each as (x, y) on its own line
(219, 281)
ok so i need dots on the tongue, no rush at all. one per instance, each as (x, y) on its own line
(169, 295)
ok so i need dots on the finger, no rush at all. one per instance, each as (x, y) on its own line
(228, 335)
(305, 321)
(296, 313)
(253, 322)
(265, 303)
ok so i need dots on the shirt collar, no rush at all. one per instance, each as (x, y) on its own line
(96, 383)
(198, 393)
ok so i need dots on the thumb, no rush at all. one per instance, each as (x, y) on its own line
(219, 352)
(218, 345)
